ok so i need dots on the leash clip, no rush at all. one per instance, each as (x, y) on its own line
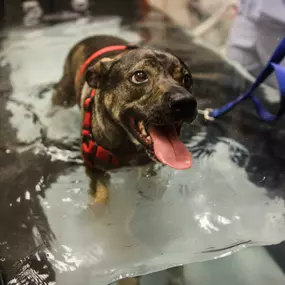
(206, 113)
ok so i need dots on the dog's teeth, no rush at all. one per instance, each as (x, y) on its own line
(144, 132)
(148, 140)
(142, 128)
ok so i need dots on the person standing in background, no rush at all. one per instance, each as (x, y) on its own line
(256, 31)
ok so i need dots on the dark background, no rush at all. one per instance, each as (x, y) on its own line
(11, 12)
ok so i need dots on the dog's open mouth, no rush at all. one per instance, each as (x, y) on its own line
(164, 142)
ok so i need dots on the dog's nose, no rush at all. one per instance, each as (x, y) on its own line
(183, 106)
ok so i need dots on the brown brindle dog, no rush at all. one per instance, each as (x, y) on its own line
(133, 100)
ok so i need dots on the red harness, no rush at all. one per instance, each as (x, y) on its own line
(91, 151)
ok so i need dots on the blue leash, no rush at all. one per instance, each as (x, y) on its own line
(264, 114)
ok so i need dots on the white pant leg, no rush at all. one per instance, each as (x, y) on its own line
(252, 43)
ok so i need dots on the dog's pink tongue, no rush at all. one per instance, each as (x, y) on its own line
(168, 148)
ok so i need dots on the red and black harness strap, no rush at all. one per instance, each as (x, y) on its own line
(94, 56)
(91, 151)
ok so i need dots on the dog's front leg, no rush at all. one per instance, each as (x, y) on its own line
(98, 186)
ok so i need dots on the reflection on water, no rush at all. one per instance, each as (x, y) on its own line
(156, 217)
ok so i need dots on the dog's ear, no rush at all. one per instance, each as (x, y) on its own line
(95, 73)
(182, 62)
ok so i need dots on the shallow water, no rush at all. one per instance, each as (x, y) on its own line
(156, 218)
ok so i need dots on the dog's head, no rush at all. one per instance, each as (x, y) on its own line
(149, 94)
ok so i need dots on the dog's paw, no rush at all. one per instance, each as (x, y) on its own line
(101, 194)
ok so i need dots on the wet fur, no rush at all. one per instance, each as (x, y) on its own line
(115, 97)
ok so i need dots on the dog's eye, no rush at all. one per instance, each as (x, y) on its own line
(139, 77)
(187, 81)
